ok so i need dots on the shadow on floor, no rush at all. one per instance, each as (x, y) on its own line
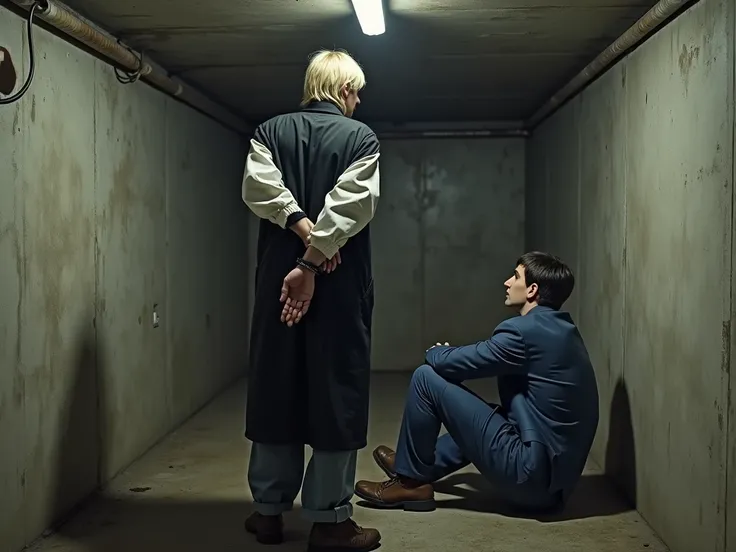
(157, 525)
(593, 497)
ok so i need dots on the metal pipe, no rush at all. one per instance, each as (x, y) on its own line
(75, 26)
(648, 23)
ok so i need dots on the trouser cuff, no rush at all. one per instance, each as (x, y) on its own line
(336, 515)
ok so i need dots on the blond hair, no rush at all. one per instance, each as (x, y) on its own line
(327, 73)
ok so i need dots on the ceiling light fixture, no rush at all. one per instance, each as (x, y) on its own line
(370, 16)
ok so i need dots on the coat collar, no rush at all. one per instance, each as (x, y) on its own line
(323, 107)
(539, 309)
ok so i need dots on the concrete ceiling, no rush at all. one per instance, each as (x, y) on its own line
(439, 60)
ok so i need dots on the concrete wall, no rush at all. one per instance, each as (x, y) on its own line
(631, 183)
(113, 199)
(448, 230)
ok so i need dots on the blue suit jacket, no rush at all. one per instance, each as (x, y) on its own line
(545, 380)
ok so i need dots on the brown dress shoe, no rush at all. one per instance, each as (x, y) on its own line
(347, 536)
(267, 529)
(386, 460)
(398, 492)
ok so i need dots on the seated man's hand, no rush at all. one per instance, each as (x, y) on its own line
(445, 344)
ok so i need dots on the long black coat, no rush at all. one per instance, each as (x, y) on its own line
(309, 384)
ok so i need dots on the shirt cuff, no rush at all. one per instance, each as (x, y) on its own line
(286, 212)
(293, 218)
(324, 246)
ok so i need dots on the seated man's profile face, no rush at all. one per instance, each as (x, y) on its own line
(517, 292)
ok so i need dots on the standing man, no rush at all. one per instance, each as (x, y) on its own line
(313, 178)
(533, 446)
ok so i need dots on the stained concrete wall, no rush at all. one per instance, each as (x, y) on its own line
(448, 230)
(631, 183)
(113, 199)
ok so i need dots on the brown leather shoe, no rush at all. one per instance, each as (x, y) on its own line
(267, 529)
(398, 492)
(347, 536)
(386, 460)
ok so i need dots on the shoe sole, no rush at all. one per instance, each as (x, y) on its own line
(407, 505)
(383, 466)
(316, 548)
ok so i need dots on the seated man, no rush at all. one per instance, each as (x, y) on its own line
(533, 446)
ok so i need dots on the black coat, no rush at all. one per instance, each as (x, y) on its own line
(309, 384)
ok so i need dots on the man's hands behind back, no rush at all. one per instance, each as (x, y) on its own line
(297, 288)
(303, 229)
(297, 291)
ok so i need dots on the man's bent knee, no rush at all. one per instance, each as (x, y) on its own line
(425, 378)
(422, 373)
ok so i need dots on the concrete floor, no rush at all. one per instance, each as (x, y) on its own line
(189, 493)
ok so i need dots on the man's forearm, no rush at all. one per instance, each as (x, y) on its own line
(314, 256)
(302, 227)
(349, 206)
(503, 354)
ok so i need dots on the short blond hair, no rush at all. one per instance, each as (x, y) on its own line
(327, 73)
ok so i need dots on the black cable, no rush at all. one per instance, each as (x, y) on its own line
(129, 77)
(31, 55)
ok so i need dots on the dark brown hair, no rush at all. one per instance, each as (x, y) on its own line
(554, 278)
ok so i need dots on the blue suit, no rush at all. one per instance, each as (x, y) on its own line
(533, 446)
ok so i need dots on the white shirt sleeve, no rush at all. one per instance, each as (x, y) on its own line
(349, 206)
(263, 187)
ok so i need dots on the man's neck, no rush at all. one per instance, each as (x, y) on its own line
(526, 309)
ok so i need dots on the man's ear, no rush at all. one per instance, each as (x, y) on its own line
(8, 76)
(532, 291)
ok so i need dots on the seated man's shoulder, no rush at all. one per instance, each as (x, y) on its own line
(523, 325)
(514, 325)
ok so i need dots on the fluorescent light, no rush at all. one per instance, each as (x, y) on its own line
(370, 16)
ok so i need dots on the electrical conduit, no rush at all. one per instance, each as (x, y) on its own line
(72, 24)
(648, 23)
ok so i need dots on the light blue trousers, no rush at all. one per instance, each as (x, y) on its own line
(276, 474)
